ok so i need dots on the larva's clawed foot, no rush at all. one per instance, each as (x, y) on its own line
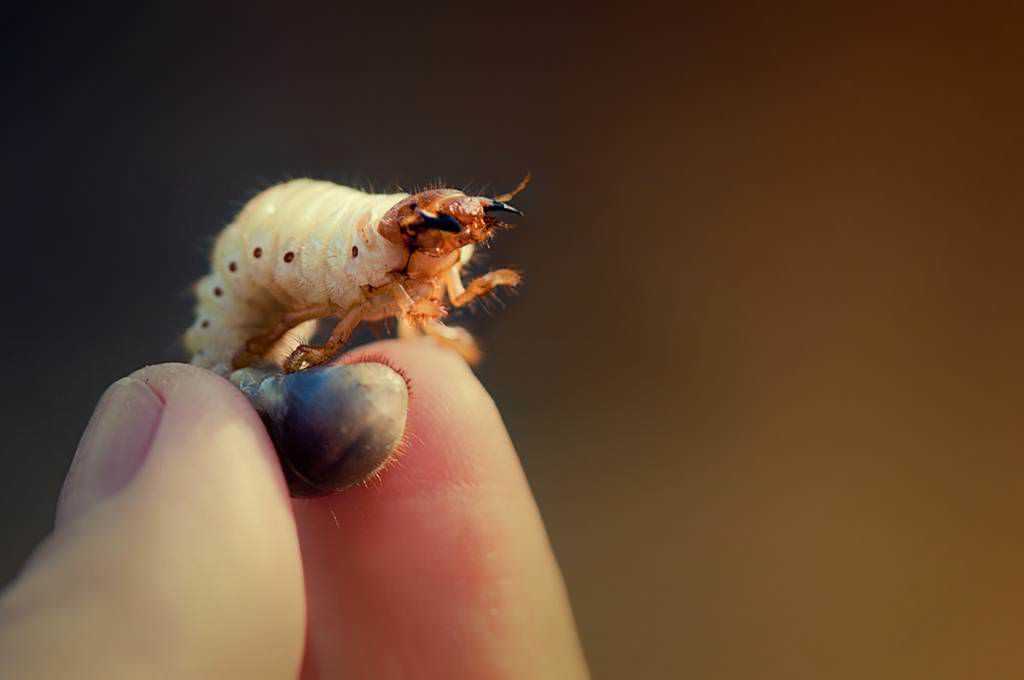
(465, 346)
(305, 356)
(332, 426)
(483, 285)
(498, 277)
(455, 338)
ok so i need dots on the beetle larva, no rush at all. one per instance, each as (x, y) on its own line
(308, 249)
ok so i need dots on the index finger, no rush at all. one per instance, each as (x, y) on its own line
(443, 567)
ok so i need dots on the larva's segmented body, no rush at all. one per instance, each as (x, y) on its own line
(309, 249)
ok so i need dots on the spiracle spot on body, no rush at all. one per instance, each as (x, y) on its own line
(218, 292)
(355, 251)
(233, 266)
(258, 252)
(289, 256)
(205, 323)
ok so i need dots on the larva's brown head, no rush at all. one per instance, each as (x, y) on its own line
(440, 221)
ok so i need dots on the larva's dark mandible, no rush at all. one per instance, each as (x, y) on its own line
(307, 250)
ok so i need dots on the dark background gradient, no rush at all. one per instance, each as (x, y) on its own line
(765, 372)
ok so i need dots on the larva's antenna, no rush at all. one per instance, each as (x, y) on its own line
(501, 198)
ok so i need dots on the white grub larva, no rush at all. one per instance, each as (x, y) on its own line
(306, 250)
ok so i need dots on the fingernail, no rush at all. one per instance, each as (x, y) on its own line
(332, 426)
(113, 447)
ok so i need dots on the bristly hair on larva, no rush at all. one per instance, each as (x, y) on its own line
(306, 250)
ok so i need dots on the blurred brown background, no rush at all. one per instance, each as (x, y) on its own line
(765, 372)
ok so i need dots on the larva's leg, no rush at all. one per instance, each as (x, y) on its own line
(461, 295)
(295, 336)
(407, 329)
(257, 347)
(458, 339)
(307, 355)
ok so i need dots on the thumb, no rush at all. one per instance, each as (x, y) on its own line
(175, 553)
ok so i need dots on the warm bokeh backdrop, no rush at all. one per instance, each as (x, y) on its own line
(765, 374)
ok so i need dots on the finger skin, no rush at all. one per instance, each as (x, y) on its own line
(192, 570)
(442, 568)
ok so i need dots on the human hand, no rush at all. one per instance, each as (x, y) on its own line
(178, 552)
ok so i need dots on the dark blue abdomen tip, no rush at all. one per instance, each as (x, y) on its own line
(332, 426)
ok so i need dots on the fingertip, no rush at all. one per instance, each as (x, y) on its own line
(211, 445)
(192, 566)
(448, 540)
(196, 390)
(176, 404)
(454, 434)
(333, 426)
